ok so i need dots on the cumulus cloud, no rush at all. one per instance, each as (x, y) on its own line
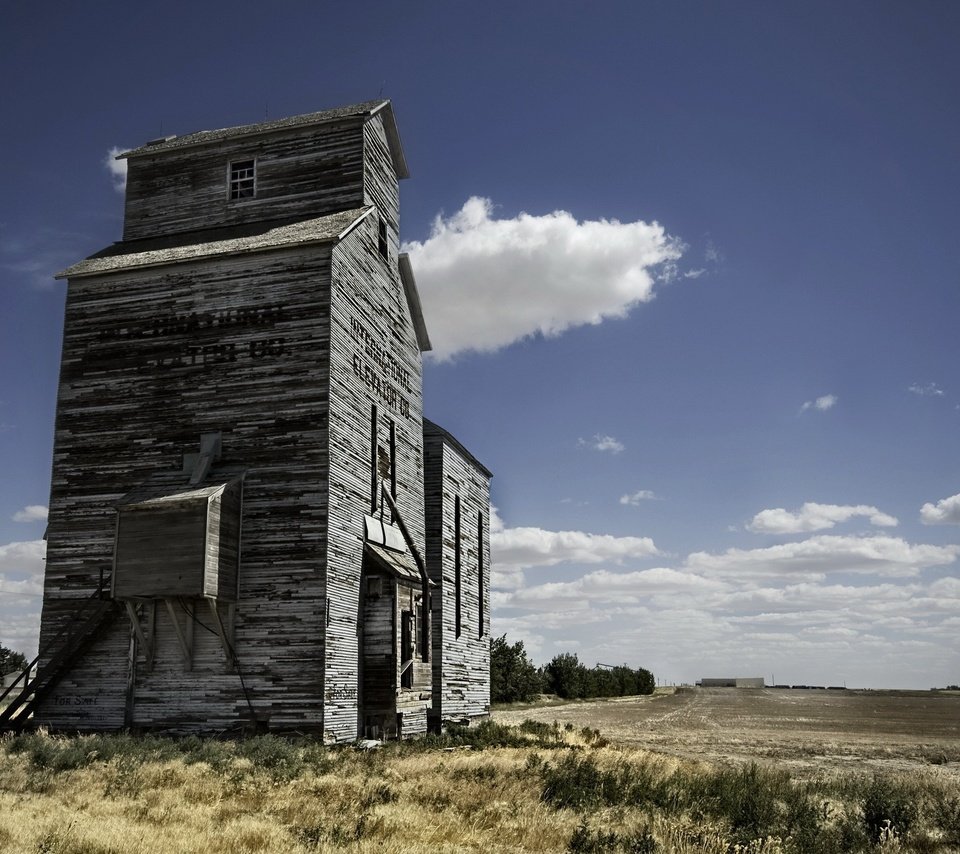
(815, 517)
(816, 557)
(873, 611)
(31, 513)
(821, 404)
(22, 559)
(926, 390)
(602, 443)
(636, 498)
(21, 589)
(945, 512)
(117, 168)
(605, 587)
(516, 549)
(488, 282)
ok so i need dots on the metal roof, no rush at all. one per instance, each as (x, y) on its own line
(322, 229)
(209, 137)
(398, 564)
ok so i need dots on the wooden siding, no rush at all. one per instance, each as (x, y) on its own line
(151, 360)
(301, 174)
(374, 361)
(305, 360)
(461, 662)
(380, 187)
(160, 551)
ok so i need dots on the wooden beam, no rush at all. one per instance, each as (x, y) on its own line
(152, 632)
(135, 622)
(185, 647)
(221, 631)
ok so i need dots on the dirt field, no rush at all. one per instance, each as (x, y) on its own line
(805, 731)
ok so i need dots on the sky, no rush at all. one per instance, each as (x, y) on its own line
(690, 270)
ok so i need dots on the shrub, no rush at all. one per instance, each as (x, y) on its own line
(587, 841)
(887, 803)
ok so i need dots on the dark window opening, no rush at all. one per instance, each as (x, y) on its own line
(418, 626)
(374, 458)
(456, 564)
(406, 648)
(480, 612)
(382, 239)
(393, 459)
(243, 179)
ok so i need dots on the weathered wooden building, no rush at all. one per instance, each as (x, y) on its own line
(250, 520)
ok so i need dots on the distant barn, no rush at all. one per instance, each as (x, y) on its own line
(251, 523)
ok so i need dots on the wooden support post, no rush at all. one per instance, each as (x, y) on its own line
(135, 622)
(152, 633)
(185, 648)
(130, 697)
(191, 609)
(232, 624)
(221, 631)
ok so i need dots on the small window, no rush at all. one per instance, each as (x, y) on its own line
(243, 179)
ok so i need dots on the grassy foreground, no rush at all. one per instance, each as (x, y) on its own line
(494, 788)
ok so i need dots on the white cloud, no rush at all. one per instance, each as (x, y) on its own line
(605, 587)
(636, 498)
(815, 517)
(602, 443)
(21, 589)
(945, 512)
(117, 168)
(887, 616)
(926, 390)
(31, 513)
(821, 404)
(487, 283)
(517, 549)
(816, 557)
(25, 558)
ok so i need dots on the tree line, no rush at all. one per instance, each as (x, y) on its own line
(11, 661)
(514, 678)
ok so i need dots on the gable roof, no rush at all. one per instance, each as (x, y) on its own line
(209, 137)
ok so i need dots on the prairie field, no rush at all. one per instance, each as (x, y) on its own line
(808, 732)
(711, 770)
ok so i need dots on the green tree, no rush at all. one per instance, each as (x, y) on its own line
(567, 677)
(11, 661)
(513, 676)
(645, 681)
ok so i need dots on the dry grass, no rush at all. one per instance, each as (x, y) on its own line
(534, 788)
(391, 800)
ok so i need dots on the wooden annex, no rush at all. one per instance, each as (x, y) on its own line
(251, 523)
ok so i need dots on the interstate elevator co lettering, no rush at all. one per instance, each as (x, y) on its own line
(379, 370)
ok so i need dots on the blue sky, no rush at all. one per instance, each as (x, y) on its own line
(691, 270)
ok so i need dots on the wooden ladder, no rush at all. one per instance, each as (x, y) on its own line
(63, 649)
